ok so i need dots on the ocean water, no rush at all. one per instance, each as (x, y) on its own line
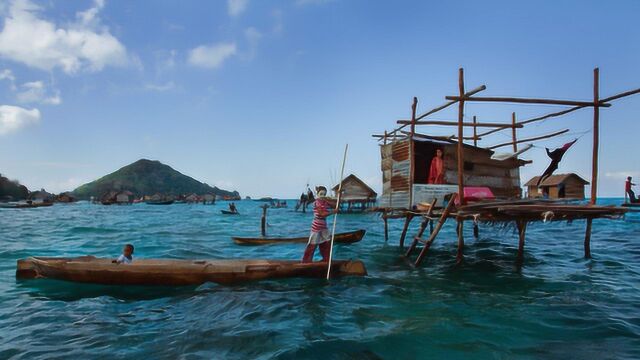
(557, 306)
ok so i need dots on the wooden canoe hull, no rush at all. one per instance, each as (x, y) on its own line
(89, 269)
(163, 202)
(227, 212)
(25, 206)
(343, 238)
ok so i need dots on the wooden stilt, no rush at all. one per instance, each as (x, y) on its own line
(522, 229)
(436, 230)
(476, 230)
(386, 226)
(587, 239)
(460, 255)
(263, 220)
(407, 221)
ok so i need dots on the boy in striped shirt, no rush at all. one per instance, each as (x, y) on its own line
(320, 235)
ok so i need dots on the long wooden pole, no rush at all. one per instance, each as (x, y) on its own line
(596, 135)
(513, 132)
(529, 139)
(528, 101)
(335, 217)
(412, 160)
(460, 136)
(455, 123)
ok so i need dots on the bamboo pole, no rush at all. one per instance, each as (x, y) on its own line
(407, 221)
(475, 132)
(335, 217)
(530, 139)
(513, 132)
(529, 101)
(460, 136)
(596, 136)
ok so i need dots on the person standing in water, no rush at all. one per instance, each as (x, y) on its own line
(320, 236)
(627, 189)
(436, 170)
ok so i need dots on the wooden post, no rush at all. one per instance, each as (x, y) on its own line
(596, 135)
(263, 221)
(475, 132)
(476, 230)
(386, 226)
(513, 132)
(460, 255)
(412, 165)
(404, 230)
(522, 230)
(435, 231)
(460, 136)
(587, 239)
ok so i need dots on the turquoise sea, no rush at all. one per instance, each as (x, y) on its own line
(558, 306)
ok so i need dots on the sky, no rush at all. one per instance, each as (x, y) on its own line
(262, 96)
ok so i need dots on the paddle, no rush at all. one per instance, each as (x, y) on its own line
(335, 217)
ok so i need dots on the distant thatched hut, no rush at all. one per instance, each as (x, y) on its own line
(66, 197)
(192, 198)
(356, 195)
(557, 187)
(124, 197)
(209, 198)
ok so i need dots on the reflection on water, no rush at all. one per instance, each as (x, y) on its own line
(559, 305)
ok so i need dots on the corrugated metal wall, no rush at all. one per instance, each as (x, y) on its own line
(396, 172)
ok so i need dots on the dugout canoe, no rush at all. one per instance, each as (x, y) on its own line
(89, 269)
(343, 238)
(159, 202)
(227, 212)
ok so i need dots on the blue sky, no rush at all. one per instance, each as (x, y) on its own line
(261, 96)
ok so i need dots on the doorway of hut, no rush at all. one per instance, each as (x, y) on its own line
(424, 152)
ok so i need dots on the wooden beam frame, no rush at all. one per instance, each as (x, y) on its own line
(529, 101)
(455, 123)
(529, 139)
(596, 136)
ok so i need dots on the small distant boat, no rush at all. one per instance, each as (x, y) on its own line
(159, 202)
(161, 272)
(343, 238)
(25, 205)
(227, 212)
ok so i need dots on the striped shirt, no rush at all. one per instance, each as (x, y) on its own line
(320, 213)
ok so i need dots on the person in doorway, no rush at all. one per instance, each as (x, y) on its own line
(627, 188)
(320, 236)
(436, 169)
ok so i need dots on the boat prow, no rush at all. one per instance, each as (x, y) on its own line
(160, 272)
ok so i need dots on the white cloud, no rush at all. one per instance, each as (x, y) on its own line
(236, 7)
(36, 92)
(38, 43)
(161, 87)
(6, 74)
(622, 174)
(211, 56)
(253, 37)
(13, 118)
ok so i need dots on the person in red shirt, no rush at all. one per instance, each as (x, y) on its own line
(436, 170)
(627, 188)
(320, 235)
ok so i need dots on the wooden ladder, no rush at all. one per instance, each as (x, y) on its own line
(434, 231)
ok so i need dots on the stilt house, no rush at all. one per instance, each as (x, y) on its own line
(356, 195)
(561, 186)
